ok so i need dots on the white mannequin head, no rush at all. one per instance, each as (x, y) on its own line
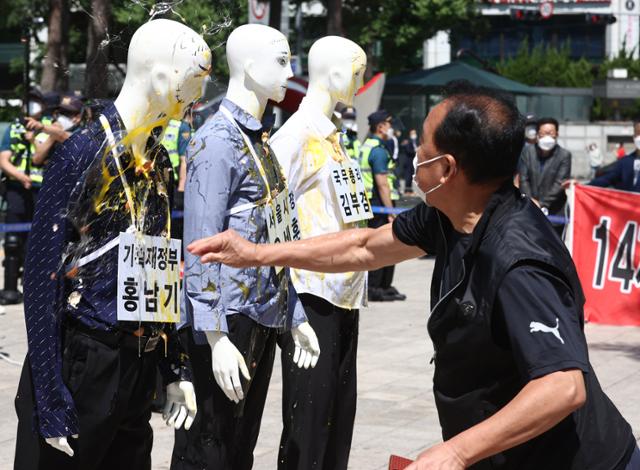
(259, 61)
(336, 72)
(166, 67)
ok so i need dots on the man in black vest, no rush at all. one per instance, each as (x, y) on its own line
(513, 384)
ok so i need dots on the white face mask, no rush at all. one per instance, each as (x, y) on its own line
(413, 136)
(546, 143)
(422, 193)
(33, 108)
(65, 121)
(350, 125)
(390, 132)
(530, 133)
(636, 141)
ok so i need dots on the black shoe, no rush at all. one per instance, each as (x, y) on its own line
(378, 295)
(393, 292)
(10, 297)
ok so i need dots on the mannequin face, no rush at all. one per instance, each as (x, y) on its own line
(348, 84)
(167, 64)
(268, 72)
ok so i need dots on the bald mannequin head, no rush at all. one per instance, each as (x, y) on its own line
(259, 59)
(166, 67)
(337, 66)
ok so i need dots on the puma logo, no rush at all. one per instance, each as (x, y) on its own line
(535, 326)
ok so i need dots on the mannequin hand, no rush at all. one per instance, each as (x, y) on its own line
(307, 349)
(227, 248)
(61, 444)
(225, 362)
(181, 405)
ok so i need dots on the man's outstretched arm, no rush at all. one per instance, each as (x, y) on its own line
(350, 250)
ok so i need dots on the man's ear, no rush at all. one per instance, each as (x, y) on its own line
(452, 167)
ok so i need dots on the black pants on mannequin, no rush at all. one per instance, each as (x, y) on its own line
(224, 434)
(380, 278)
(319, 404)
(112, 390)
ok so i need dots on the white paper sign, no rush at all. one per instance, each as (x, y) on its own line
(148, 278)
(350, 192)
(281, 215)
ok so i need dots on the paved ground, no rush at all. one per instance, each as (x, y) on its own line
(396, 412)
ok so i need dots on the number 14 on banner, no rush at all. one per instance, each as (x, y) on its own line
(621, 268)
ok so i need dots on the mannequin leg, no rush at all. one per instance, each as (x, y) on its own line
(224, 434)
(318, 405)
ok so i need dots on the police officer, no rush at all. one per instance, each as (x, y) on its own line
(23, 152)
(175, 140)
(350, 135)
(512, 383)
(380, 181)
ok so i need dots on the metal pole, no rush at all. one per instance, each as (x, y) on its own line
(26, 39)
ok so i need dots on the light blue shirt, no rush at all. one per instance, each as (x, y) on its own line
(221, 175)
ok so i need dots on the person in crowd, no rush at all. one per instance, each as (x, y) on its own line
(513, 384)
(408, 150)
(350, 132)
(23, 152)
(543, 168)
(595, 159)
(378, 173)
(625, 174)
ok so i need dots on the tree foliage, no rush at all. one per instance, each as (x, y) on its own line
(547, 66)
(393, 31)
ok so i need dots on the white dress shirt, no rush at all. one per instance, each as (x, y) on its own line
(304, 146)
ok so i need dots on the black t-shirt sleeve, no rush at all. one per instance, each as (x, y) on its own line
(418, 227)
(537, 316)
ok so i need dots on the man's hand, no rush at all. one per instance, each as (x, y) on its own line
(225, 362)
(61, 444)
(180, 407)
(307, 350)
(33, 124)
(227, 248)
(440, 457)
(566, 184)
(25, 180)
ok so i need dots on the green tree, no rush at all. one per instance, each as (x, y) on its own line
(393, 31)
(547, 66)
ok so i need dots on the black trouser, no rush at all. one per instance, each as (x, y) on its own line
(224, 434)
(20, 207)
(319, 404)
(380, 278)
(112, 390)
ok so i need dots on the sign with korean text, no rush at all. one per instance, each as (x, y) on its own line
(281, 215)
(350, 193)
(148, 278)
(606, 251)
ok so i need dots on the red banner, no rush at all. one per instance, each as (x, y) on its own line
(605, 239)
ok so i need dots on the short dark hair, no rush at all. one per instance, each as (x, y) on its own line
(548, 120)
(483, 130)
